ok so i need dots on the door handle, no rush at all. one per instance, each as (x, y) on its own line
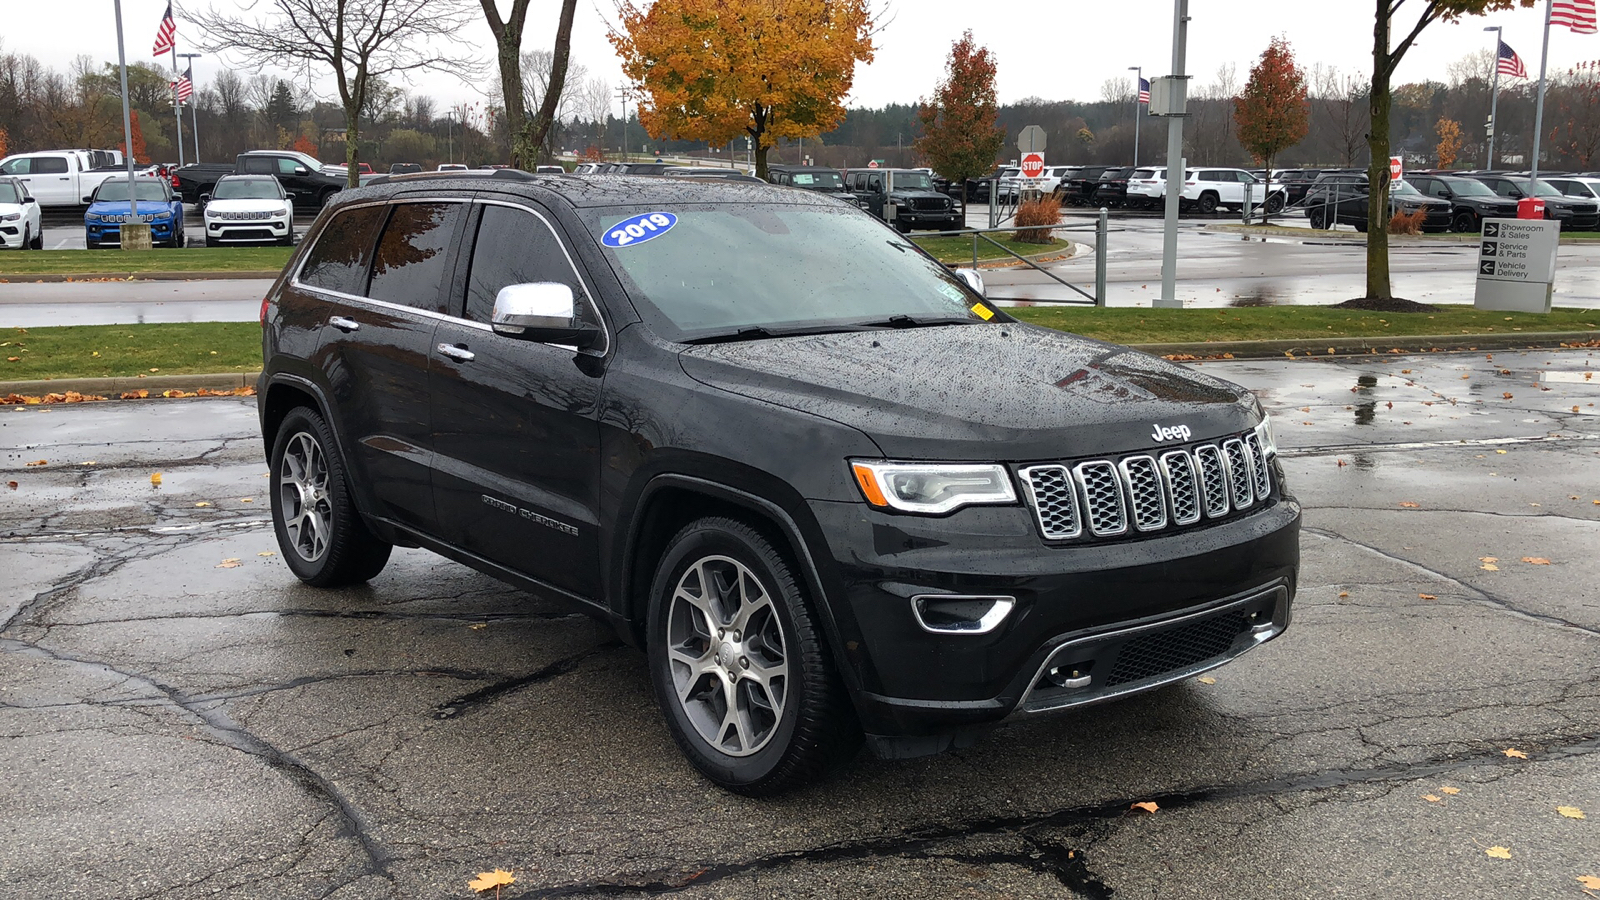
(345, 325)
(457, 352)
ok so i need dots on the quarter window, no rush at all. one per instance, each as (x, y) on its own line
(409, 265)
(513, 247)
(343, 250)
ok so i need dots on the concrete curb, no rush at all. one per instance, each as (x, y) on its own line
(1333, 347)
(6, 278)
(1320, 236)
(114, 387)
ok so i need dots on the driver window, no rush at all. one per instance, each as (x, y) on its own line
(515, 247)
(875, 184)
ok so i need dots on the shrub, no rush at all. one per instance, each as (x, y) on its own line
(1045, 210)
(1407, 223)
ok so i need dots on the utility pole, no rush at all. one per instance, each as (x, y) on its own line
(1538, 109)
(450, 134)
(1175, 161)
(622, 94)
(1138, 79)
(133, 220)
(194, 108)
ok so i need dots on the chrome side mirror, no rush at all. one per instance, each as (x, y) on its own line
(542, 311)
(973, 279)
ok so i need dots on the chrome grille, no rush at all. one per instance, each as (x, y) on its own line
(1107, 498)
(1145, 494)
(1102, 493)
(1240, 476)
(1178, 467)
(1049, 489)
(1213, 480)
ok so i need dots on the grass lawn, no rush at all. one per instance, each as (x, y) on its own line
(188, 259)
(91, 351)
(95, 351)
(955, 250)
(1170, 326)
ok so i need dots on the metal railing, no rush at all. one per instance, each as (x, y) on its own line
(1100, 227)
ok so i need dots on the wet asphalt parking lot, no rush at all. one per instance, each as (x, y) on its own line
(180, 718)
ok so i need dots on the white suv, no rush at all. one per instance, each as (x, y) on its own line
(19, 216)
(248, 208)
(1147, 187)
(1052, 178)
(1207, 189)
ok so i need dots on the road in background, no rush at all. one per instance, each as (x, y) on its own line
(183, 719)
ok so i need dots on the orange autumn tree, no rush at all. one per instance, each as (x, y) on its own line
(960, 137)
(1273, 113)
(138, 153)
(1449, 131)
(712, 70)
(303, 144)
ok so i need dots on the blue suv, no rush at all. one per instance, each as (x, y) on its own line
(108, 209)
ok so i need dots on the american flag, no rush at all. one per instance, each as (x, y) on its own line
(169, 28)
(1144, 90)
(1510, 62)
(185, 84)
(1579, 15)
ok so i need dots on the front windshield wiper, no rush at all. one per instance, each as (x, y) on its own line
(760, 333)
(905, 321)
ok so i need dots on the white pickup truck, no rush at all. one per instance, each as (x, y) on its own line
(59, 178)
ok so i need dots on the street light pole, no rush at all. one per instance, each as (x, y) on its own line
(194, 108)
(1175, 161)
(127, 124)
(1138, 78)
(1494, 96)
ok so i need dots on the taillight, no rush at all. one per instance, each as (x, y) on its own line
(264, 302)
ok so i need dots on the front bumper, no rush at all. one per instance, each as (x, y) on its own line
(111, 232)
(1098, 610)
(248, 230)
(10, 234)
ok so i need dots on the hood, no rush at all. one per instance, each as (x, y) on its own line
(916, 192)
(1009, 392)
(120, 207)
(243, 205)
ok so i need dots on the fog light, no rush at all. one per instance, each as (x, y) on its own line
(1068, 676)
(960, 614)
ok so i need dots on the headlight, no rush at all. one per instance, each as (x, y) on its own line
(91, 217)
(932, 488)
(10, 217)
(286, 211)
(1269, 444)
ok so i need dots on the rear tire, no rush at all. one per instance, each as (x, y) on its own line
(320, 532)
(1318, 219)
(1208, 203)
(1361, 225)
(1275, 204)
(1464, 222)
(740, 665)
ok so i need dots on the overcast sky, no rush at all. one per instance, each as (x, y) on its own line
(1064, 51)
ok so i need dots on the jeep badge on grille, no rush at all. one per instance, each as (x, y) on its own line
(1176, 432)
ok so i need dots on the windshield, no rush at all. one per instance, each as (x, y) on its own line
(9, 193)
(718, 269)
(912, 181)
(820, 181)
(115, 191)
(1403, 187)
(309, 162)
(247, 189)
(1467, 187)
(1541, 188)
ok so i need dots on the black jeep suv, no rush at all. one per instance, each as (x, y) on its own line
(828, 488)
(917, 204)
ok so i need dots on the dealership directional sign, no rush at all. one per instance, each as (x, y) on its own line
(1517, 264)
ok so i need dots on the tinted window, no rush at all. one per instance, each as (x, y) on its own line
(513, 247)
(339, 260)
(49, 165)
(256, 165)
(287, 166)
(409, 265)
(148, 190)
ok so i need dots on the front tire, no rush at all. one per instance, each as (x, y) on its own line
(1464, 222)
(739, 663)
(1275, 204)
(320, 533)
(27, 239)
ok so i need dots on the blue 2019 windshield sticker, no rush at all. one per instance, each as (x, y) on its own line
(639, 229)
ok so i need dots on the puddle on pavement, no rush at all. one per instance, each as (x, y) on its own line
(1570, 377)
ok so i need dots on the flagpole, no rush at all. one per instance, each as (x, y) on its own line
(1494, 95)
(127, 121)
(1138, 81)
(1538, 115)
(177, 108)
(194, 108)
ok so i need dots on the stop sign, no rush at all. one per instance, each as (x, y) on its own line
(873, 164)
(1032, 165)
(1395, 171)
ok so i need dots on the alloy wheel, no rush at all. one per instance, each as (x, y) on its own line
(729, 662)
(303, 495)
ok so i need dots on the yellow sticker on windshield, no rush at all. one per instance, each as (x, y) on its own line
(983, 312)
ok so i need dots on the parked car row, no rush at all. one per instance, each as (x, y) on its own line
(1453, 200)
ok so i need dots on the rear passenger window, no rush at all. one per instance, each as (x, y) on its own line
(49, 165)
(257, 165)
(339, 260)
(409, 265)
(514, 247)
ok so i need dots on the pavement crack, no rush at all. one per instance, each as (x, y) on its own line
(452, 709)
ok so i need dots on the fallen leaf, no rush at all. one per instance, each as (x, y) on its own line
(1488, 559)
(1450, 790)
(1514, 753)
(1433, 798)
(1536, 561)
(12, 485)
(1426, 597)
(1146, 805)
(228, 564)
(39, 462)
(1206, 679)
(202, 504)
(1506, 394)
(1465, 377)
(478, 626)
(1489, 567)
(1409, 505)
(1571, 812)
(155, 478)
(1342, 464)
(1498, 852)
(1574, 409)
(247, 499)
(267, 553)
(155, 370)
(488, 880)
(1501, 452)
(1344, 593)
(1589, 881)
(1405, 371)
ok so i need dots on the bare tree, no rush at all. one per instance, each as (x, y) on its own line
(1478, 65)
(360, 41)
(527, 136)
(1341, 101)
(536, 68)
(1117, 90)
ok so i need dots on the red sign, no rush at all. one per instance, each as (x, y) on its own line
(1395, 168)
(1032, 165)
(873, 164)
(1530, 208)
